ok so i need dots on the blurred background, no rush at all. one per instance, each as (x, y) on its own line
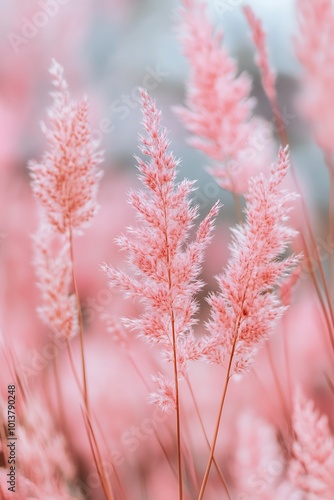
(108, 48)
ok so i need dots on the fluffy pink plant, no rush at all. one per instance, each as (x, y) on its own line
(218, 110)
(44, 468)
(165, 265)
(262, 59)
(314, 49)
(66, 180)
(247, 308)
(54, 274)
(312, 468)
(65, 183)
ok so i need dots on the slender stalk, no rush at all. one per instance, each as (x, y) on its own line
(220, 474)
(238, 207)
(279, 389)
(98, 459)
(190, 472)
(317, 288)
(90, 431)
(75, 374)
(83, 362)
(116, 475)
(142, 378)
(176, 375)
(59, 393)
(215, 436)
(177, 403)
(228, 377)
(279, 123)
(287, 359)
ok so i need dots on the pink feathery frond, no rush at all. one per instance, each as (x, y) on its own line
(66, 180)
(45, 469)
(312, 468)
(54, 278)
(218, 111)
(314, 48)
(247, 308)
(259, 38)
(164, 394)
(165, 264)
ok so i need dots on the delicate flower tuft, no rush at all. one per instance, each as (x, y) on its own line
(247, 308)
(262, 59)
(164, 395)
(313, 46)
(218, 110)
(67, 178)
(165, 264)
(45, 469)
(54, 278)
(312, 469)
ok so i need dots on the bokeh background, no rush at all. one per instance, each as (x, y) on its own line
(108, 48)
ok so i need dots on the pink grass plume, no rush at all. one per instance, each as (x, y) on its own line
(164, 265)
(218, 111)
(65, 183)
(313, 46)
(67, 178)
(54, 279)
(247, 308)
(312, 468)
(262, 60)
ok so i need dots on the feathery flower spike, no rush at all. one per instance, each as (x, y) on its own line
(312, 469)
(67, 178)
(218, 110)
(247, 308)
(262, 59)
(314, 49)
(165, 264)
(54, 274)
